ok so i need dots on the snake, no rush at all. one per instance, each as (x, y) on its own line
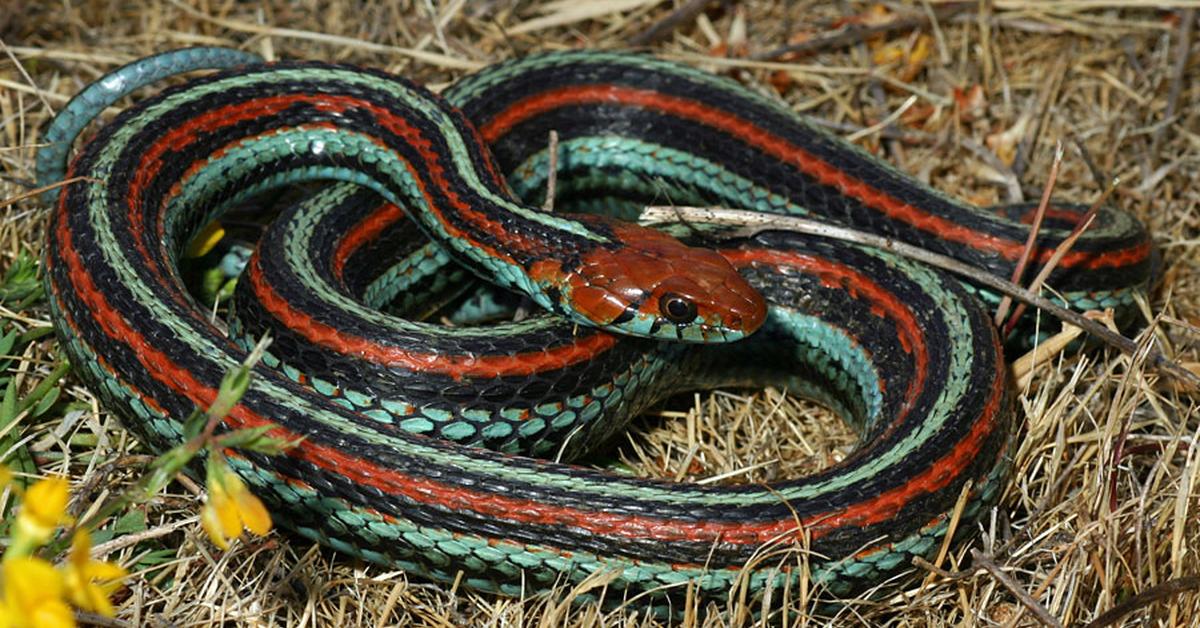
(459, 452)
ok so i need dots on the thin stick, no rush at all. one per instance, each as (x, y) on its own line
(25, 74)
(933, 569)
(432, 58)
(133, 538)
(1182, 51)
(1166, 590)
(12, 200)
(755, 222)
(96, 619)
(663, 27)
(1046, 100)
(1097, 175)
(884, 123)
(955, 517)
(853, 33)
(1061, 250)
(1034, 229)
(1039, 611)
(552, 173)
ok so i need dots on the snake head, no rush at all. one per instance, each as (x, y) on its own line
(654, 286)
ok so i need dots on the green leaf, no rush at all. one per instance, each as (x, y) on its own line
(155, 558)
(233, 386)
(19, 459)
(8, 405)
(44, 387)
(132, 521)
(34, 334)
(21, 284)
(46, 402)
(244, 437)
(164, 468)
(272, 446)
(7, 342)
(102, 536)
(193, 425)
(256, 439)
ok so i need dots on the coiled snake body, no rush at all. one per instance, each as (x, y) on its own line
(418, 438)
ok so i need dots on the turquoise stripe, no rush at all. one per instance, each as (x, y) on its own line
(437, 550)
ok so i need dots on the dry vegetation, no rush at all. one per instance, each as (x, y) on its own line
(1104, 505)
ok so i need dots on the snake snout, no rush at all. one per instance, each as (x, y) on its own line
(655, 286)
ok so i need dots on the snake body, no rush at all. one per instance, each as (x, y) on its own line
(417, 436)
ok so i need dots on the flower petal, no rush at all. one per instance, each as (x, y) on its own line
(46, 502)
(254, 515)
(29, 581)
(210, 519)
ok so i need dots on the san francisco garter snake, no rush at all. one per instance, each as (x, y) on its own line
(419, 438)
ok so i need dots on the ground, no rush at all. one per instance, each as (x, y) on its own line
(972, 97)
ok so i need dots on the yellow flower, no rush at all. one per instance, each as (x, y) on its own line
(5, 476)
(43, 510)
(90, 582)
(230, 507)
(33, 595)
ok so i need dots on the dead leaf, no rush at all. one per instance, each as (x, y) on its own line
(970, 103)
(1004, 143)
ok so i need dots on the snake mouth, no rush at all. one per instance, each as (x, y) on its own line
(696, 332)
(635, 321)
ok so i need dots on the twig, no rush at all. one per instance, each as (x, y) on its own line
(1042, 352)
(1182, 51)
(918, 561)
(1097, 174)
(984, 561)
(96, 619)
(101, 474)
(1152, 448)
(133, 538)
(874, 87)
(1045, 102)
(754, 222)
(955, 517)
(852, 33)
(663, 27)
(884, 123)
(1061, 250)
(1031, 241)
(1118, 447)
(25, 74)
(432, 58)
(12, 200)
(552, 172)
(1167, 589)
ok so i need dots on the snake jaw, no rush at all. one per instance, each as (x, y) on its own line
(655, 286)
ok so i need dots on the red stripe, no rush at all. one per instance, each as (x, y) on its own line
(935, 477)
(883, 303)
(365, 231)
(1065, 215)
(583, 349)
(815, 167)
(163, 369)
(430, 169)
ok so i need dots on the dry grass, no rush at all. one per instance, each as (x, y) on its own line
(1104, 505)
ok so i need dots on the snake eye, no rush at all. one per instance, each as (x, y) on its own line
(677, 309)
